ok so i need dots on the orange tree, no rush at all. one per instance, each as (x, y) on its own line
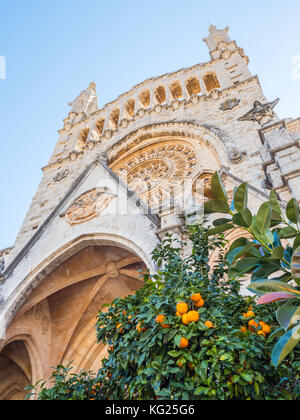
(271, 256)
(189, 334)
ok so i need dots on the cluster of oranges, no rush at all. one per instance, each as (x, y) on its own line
(192, 316)
(262, 328)
(94, 391)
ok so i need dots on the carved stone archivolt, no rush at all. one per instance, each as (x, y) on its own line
(88, 206)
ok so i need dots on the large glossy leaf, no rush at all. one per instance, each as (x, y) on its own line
(241, 197)
(286, 345)
(274, 297)
(266, 269)
(242, 252)
(243, 219)
(295, 266)
(219, 222)
(276, 209)
(292, 211)
(278, 253)
(262, 222)
(296, 243)
(268, 286)
(217, 188)
(216, 206)
(277, 334)
(242, 267)
(288, 233)
(288, 314)
(238, 243)
(219, 229)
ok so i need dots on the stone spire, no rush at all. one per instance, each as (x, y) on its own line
(216, 37)
(86, 102)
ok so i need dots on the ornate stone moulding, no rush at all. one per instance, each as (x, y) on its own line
(88, 206)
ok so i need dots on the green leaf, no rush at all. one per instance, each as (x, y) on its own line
(278, 253)
(217, 188)
(216, 206)
(242, 267)
(243, 219)
(219, 229)
(240, 242)
(288, 314)
(288, 233)
(266, 269)
(262, 222)
(243, 252)
(296, 242)
(276, 209)
(177, 340)
(286, 345)
(219, 222)
(295, 266)
(241, 197)
(277, 334)
(292, 211)
(262, 287)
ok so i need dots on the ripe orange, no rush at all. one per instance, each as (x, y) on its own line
(165, 326)
(124, 313)
(253, 323)
(140, 327)
(185, 319)
(263, 334)
(266, 329)
(243, 329)
(262, 323)
(178, 314)
(180, 363)
(160, 319)
(195, 298)
(182, 308)
(200, 304)
(250, 314)
(193, 316)
(209, 324)
(184, 343)
(120, 330)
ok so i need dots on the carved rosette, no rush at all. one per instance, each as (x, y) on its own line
(158, 173)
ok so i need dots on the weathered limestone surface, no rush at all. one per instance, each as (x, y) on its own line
(89, 229)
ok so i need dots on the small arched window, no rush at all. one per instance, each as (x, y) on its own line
(211, 82)
(83, 137)
(114, 118)
(145, 98)
(100, 126)
(193, 86)
(130, 107)
(176, 90)
(160, 95)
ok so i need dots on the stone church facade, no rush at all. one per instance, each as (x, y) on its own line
(110, 193)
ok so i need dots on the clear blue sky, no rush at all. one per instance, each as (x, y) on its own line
(54, 48)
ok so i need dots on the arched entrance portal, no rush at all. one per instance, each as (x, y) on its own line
(56, 325)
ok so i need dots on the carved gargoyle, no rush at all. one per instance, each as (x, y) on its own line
(261, 113)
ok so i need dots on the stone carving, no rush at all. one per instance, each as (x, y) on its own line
(88, 206)
(230, 104)
(157, 173)
(261, 113)
(235, 155)
(86, 102)
(61, 175)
